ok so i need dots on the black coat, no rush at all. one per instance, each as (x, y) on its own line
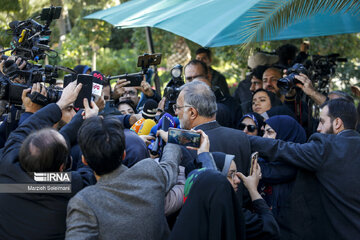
(211, 211)
(234, 142)
(35, 215)
(325, 202)
(229, 141)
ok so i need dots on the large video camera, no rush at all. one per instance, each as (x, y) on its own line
(30, 42)
(30, 38)
(172, 89)
(320, 70)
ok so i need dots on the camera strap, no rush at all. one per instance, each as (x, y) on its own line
(38, 98)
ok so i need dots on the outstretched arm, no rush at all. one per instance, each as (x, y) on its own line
(309, 156)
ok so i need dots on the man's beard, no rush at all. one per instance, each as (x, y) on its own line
(330, 130)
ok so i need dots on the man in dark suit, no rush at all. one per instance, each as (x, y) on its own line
(31, 148)
(196, 108)
(325, 202)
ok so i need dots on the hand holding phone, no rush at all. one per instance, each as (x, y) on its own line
(86, 90)
(184, 137)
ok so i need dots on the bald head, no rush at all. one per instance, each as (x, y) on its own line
(43, 151)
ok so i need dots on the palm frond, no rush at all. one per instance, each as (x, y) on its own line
(269, 16)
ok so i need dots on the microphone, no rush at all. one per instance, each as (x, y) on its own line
(13, 24)
(136, 126)
(164, 123)
(146, 127)
(98, 83)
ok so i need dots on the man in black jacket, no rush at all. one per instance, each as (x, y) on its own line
(196, 108)
(35, 147)
(325, 201)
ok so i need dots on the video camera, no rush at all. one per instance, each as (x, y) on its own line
(30, 42)
(172, 89)
(320, 70)
(30, 38)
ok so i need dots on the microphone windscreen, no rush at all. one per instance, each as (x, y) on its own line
(137, 125)
(168, 117)
(13, 24)
(146, 127)
(153, 130)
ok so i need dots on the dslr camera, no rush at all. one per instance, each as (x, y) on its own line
(289, 82)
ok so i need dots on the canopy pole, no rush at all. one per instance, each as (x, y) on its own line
(150, 44)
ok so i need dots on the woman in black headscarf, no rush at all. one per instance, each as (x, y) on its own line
(278, 178)
(211, 211)
(259, 220)
(251, 124)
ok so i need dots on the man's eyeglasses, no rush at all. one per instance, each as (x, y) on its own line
(250, 128)
(130, 93)
(192, 78)
(176, 107)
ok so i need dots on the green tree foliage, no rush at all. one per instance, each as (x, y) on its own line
(117, 49)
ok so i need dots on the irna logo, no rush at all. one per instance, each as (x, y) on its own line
(52, 177)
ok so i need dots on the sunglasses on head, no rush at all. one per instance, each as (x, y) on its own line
(250, 128)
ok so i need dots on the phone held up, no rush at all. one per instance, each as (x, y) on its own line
(184, 137)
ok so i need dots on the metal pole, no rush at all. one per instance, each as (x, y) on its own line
(150, 44)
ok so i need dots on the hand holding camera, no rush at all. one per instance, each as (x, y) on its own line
(27, 94)
(251, 182)
(305, 84)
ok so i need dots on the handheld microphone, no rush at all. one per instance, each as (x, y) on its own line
(146, 127)
(136, 126)
(166, 122)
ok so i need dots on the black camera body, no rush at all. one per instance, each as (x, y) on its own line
(30, 38)
(12, 92)
(30, 42)
(289, 82)
(172, 89)
(322, 68)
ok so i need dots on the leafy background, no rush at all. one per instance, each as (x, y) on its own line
(114, 51)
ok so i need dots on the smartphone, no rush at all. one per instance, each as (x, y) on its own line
(68, 78)
(254, 157)
(86, 90)
(184, 137)
(149, 59)
(135, 81)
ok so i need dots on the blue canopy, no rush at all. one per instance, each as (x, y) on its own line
(215, 23)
